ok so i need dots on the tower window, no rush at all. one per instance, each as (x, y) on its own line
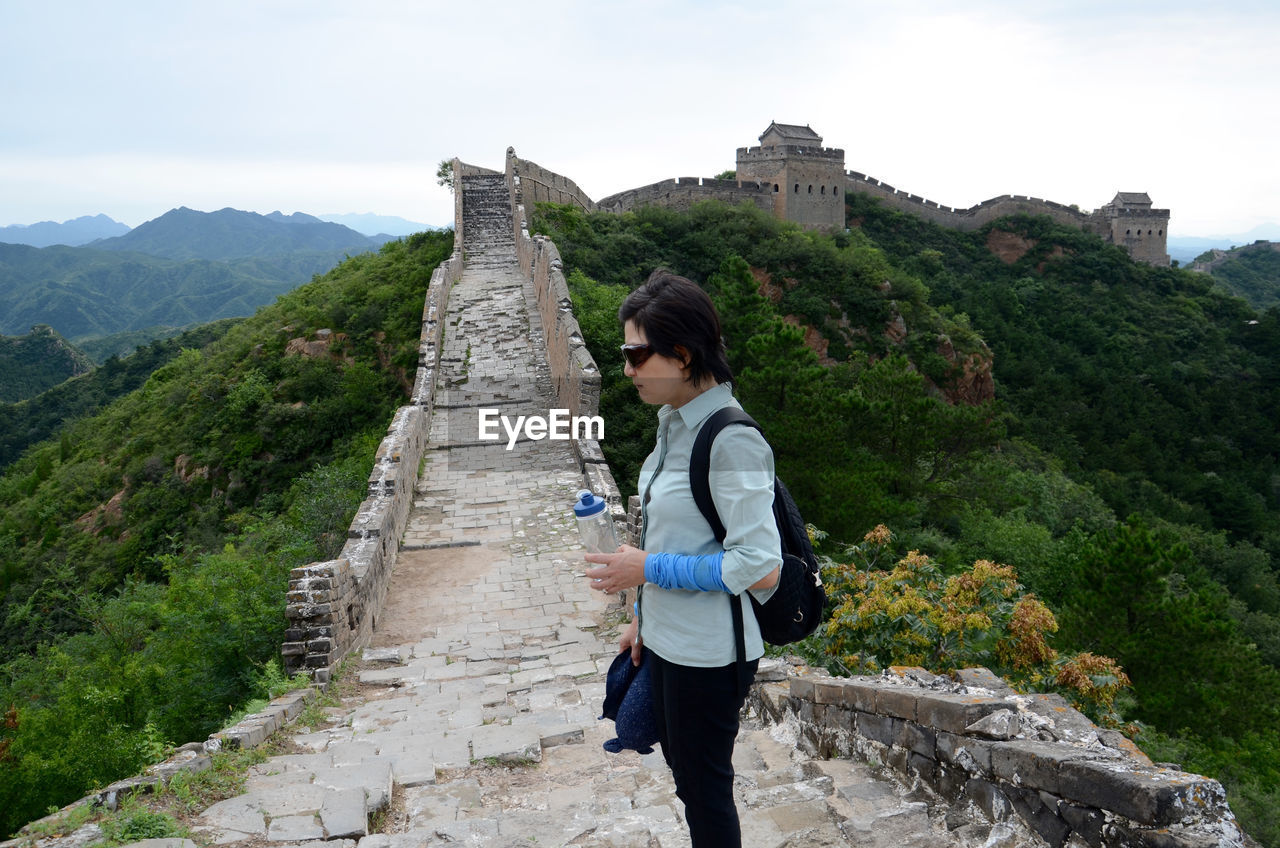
(811, 189)
(823, 190)
(775, 188)
(796, 190)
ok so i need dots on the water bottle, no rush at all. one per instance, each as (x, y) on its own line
(595, 523)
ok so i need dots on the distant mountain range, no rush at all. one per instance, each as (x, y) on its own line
(90, 228)
(185, 267)
(1186, 248)
(231, 234)
(372, 225)
(72, 233)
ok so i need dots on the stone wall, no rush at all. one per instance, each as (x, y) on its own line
(462, 169)
(974, 217)
(1146, 240)
(539, 185)
(683, 192)
(332, 607)
(975, 742)
(575, 377)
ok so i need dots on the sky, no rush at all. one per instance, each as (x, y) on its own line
(134, 108)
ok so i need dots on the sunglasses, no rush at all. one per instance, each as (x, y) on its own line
(637, 354)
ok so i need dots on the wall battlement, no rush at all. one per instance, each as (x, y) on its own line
(791, 150)
(683, 192)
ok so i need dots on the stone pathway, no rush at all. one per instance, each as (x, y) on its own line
(477, 720)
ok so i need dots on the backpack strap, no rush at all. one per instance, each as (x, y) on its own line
(700, 485)
(700, 462)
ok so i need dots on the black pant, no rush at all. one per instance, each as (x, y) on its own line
(696, 711)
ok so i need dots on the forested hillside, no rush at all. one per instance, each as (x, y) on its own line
(181, 269)
(34, 362)
(43, 415)
(1251, 272)
(83, 292)
(145, 551)
(1126, 468)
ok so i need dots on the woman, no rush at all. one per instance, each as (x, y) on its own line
(683, 620)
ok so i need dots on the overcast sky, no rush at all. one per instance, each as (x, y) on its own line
(133, 108)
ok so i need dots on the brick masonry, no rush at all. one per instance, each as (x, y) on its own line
(976, 742)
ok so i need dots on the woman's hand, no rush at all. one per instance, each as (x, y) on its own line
(631, 641)
(620, 570)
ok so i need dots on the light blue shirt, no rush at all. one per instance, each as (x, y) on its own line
(696, 628)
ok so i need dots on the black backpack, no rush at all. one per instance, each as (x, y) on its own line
(795, 608)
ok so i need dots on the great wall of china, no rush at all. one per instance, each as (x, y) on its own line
(908, 758)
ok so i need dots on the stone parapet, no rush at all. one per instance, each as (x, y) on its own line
(575, 377)
(790, 151)
(976, 742)
(332, 607)
(683, 192)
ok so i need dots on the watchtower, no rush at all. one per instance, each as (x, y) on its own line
(807, 179)
(1130, 221)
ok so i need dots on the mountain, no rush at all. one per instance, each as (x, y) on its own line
(1186, 248)
(86, 292)
(1251, 272)
(42, 415)
(182, 268)
(72, 233)
(37, 361)
(232, 234)
(372, 225)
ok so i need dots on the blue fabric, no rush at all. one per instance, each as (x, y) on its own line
(697, 572)
(628, 700)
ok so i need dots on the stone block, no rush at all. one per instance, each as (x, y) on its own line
(1149, 796)
(828, 691)
(954, 713)
(922, 766)
(972, 755)
(879, 728)
(803, 688)
(899, 702)
(507, 743)
(1085, 822)
(918, 740)
(949, 782)
(1040, 816)
(343, 814)
(989, 798)
(1031, 764)
(859, 693)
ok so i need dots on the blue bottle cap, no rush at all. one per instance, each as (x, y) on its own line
(588, 505)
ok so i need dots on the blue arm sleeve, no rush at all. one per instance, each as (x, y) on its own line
(701, 573)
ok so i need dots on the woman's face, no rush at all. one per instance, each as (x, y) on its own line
(659, 379)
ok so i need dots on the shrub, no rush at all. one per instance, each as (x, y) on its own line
(912, 614)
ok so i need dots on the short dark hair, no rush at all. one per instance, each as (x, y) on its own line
(673, 310)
